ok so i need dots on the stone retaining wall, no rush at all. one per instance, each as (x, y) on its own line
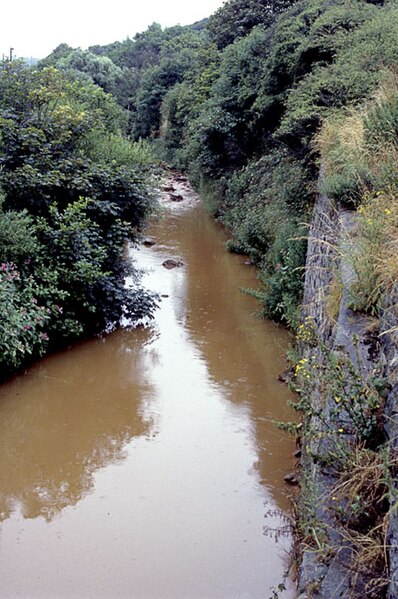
(389, 355)
(331, 230)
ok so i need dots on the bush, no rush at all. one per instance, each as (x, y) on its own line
(352, 75)
(283, 272)
(359, 150)
(264, 206)
(75, 192)
(23, 320)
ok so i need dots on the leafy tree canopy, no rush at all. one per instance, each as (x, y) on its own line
(236, 18)
(100, 69)
(74, 192)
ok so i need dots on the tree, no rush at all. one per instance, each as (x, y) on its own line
(75, 191)
(236, 18)
(223, 135)
(101, 69)
(181, 56)
(61, 51)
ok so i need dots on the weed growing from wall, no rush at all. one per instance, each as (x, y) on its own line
(343, 438)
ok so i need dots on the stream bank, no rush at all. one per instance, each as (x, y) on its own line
(347, 383)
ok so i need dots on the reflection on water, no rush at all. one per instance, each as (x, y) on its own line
(243, 354)
(71, 415)
(145, 464)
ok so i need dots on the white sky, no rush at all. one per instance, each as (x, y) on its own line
(35, 27)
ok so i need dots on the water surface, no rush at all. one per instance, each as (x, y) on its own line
(145, 464)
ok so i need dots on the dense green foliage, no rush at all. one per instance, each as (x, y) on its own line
(235, 100)
(74, 191)
(236, 18)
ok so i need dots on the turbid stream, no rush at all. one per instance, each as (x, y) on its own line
(145, 464)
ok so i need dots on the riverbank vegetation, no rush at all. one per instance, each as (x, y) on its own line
(73, 191)
(359, 151)
(236, 101)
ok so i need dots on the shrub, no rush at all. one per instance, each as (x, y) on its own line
(359, 151)
(75, 192)
(263, 207)
(373, 251)
(23, 319)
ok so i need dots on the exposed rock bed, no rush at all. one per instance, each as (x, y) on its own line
(176, 190)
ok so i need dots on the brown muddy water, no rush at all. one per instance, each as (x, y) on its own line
(145, 464)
